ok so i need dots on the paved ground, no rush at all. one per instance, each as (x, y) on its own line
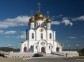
(40, 60)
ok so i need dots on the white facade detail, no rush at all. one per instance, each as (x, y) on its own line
(40, 36)
(48, 25)
(32, 25)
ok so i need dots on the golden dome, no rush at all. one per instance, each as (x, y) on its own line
(48, 20)
(31, 20)
(38, 16)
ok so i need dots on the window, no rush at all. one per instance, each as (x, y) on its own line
(50, 36)
(32, 35)
(41, 35)
(36, 47)
(49, 47)
(31, 48)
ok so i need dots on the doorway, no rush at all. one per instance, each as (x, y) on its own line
(57, 49)
(43, 49)
(25, 49)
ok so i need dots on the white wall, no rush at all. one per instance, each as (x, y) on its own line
(48, 25)
(38, 34)
(39, 22)
(32, 25)
(30, 34)
(25, 44)
(48, 37)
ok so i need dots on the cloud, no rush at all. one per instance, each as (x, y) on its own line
(56, 22)
(7, 32)
(23, 35)
(78, 18)
(23, 21)
(72, 37)
(10, 32)
(1, 31)
(67, 22)
(12, 22)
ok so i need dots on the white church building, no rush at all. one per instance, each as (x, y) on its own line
(40, 37)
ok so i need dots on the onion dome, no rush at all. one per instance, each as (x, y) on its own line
(38, 16)
(31, 20)
(48, 20)
(44, 23)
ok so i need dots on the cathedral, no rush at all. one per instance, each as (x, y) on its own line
(40, 37)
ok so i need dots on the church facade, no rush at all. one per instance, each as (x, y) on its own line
(40, 37)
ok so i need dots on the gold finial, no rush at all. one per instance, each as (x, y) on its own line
(39, 4)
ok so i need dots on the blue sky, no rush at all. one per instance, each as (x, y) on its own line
(67, 15)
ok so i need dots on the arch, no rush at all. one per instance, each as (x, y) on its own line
(43, 49)
(57, 49)
(32, 35)
(25, 49)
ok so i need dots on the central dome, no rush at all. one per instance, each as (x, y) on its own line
(38, 16)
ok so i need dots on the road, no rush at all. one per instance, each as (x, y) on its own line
(40, 60)
(53, 60)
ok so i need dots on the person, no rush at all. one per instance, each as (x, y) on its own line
(66, 54)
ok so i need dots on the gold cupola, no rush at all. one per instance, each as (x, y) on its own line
(48, 20)
(31, 20)
(38, 16)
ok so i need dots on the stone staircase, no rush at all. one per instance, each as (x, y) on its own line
(54, 55)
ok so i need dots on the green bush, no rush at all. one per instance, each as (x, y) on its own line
(8, 49)
(81, 52)
(37, 55)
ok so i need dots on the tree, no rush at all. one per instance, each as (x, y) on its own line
(81, 52)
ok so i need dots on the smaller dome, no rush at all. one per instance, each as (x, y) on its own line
(38, 16)
(31, 20)
(48, 20)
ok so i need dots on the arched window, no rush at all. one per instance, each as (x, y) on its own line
(49, 47)
(50, 36)
(41, 35)
(32, 35)
(36, 47)
(32, 48)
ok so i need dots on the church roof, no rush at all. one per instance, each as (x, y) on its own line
(31, 20)
(48, 20)
(38, 16)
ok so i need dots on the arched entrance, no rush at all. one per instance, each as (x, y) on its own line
(43, 49)
(57, 49)
(25, 49)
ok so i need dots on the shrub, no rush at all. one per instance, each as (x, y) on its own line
(81, 52)
(37, 55)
